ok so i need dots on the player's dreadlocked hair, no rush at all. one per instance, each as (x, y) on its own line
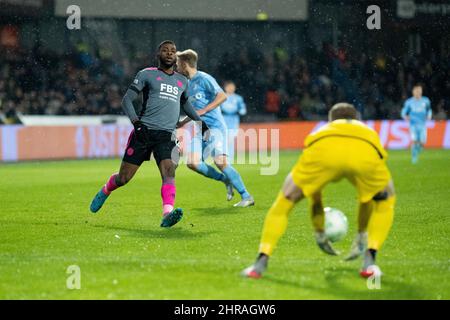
(343, 111)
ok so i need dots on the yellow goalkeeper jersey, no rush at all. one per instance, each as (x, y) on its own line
(343, 149)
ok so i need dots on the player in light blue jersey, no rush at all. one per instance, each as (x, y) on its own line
(232, 109)
(417, 110)
(206, 97)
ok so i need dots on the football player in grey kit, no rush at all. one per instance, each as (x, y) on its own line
(163, 92)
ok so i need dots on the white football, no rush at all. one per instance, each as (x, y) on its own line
(336, 224)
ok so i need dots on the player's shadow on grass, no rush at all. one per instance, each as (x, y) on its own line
(390, 288)
(162, 233)
(336, 277)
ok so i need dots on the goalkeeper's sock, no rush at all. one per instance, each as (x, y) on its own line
(210, 172)
(261, 263)
(369, 258)
(111, 185)
(168, 191)
(380, 222)
(317, 214)
(275, 224)
(235, 178)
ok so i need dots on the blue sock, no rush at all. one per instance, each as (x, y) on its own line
(236, 181)
(415, 152)
(210, 172)
(420, 148)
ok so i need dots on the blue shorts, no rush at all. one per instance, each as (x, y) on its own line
(232, 121)
(418, 133)
(215, 146)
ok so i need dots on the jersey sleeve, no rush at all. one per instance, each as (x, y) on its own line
(406, 109)
(379, 146)
(187, 107)
(211, 86)
(139, 81)
(242, 108)
(184, 98)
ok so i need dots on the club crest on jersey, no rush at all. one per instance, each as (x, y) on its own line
(199, 96)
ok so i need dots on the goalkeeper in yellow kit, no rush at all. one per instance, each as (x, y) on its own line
(344, 148)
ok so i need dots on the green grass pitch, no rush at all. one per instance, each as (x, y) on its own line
(123, 253)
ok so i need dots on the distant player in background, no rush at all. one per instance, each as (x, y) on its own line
(344, 148)
(232, 109)
(207, 96)
(417, 110)
(164, 90)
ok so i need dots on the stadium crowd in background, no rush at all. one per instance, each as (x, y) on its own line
(306, 86)
(41, 82)
(277, 82)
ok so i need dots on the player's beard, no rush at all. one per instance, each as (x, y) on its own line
(167, 65)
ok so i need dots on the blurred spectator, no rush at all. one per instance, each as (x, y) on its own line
(79, 83)
(441, 113)
(87, 81)
(376, 84)
(273, 101)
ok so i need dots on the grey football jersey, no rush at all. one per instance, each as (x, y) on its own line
(162, 95)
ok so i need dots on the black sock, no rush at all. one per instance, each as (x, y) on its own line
(262, 255)
(262, 261)
(373, 254)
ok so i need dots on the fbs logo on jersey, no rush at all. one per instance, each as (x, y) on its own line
(168, 92)
(167, 88)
